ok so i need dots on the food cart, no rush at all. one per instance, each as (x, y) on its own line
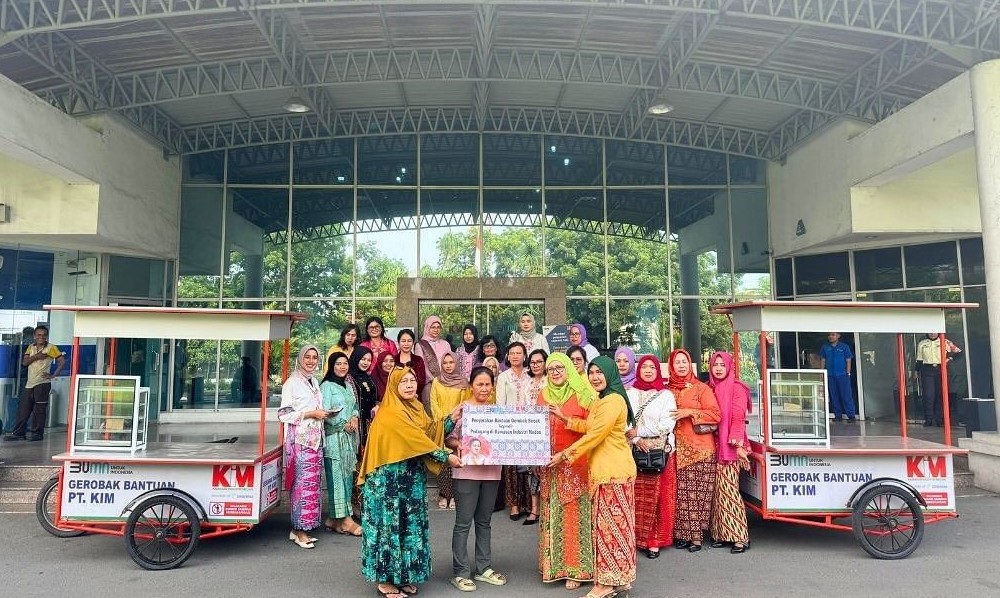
(161, 498)
(883, 488)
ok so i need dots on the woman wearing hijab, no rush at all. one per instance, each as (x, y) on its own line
(611, 477)
(407, 342)
(431, 347)
(384, 365)
(578, 337)
(350, 336)
(340, 445)
(565, 547)
(302, 413)
(361, 362)
(476, 488)
(696, 410)
(468, 353)
(493, 364)
(625, 360)
(655, 493)
(578, 356)
(729, 515)
(403, 443)
(375, 338)
(447, 392)
(526, 334)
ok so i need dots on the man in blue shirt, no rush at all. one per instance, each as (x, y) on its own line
(837, 358)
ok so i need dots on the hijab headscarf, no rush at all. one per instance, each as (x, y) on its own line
(614, 380)
(725, 391)
(629, 378)
(530, 335)
(330, 376)
(491, 359)
(300, 367)
(724, 387)
(381, 377)
(362, 379)
(657, 383)
(676, 381)
(427, 329)
(583, 333)
(401, 430)
(454, 379)
(574, 384)
(470, 348)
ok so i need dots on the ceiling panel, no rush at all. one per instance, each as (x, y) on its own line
(596, 97)
(751, 113)
(367, 95)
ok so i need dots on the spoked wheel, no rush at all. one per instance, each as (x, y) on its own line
(162, 532)
(45, 510)
(888, 522)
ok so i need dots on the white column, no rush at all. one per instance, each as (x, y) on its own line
(985, 83)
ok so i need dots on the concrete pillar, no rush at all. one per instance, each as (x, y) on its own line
(985, 81)
(253, 268)
(690, 308)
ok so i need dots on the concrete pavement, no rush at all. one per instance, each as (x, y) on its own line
(957, 558)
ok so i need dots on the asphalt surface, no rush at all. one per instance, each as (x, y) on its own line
(957, 558)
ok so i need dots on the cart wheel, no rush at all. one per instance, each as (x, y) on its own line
(45, 510)
(162, 532)
(888, 522)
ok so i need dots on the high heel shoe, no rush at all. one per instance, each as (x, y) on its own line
(307, 543)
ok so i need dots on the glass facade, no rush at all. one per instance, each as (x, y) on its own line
(647, 236)
(947, 272)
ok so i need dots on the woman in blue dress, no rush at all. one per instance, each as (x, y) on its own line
(404, 443)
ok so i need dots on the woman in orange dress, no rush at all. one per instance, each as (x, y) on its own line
(565, 545)
(697, 410)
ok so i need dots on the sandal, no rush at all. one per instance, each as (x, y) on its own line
(451, 504)
(395, 593)
(572, 584)
(609, 594)
(442, 503)
(463, 584)
(409, 588)
(740, 547)
(516, 516)
(531, 519)
(491, 577)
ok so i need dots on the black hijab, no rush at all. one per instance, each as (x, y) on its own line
(364, 384)
(330, 376)
(470, 348)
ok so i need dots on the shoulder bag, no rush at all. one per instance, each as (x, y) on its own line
(654, 460)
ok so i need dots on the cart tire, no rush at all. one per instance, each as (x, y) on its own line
(162, 532)
(45, 510)
(888, 522)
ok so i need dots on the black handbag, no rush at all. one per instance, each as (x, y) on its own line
(655, 459)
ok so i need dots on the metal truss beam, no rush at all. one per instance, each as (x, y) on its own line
(82, 73)
(486, 24)
(395, 121)
(863, 90)
(963, 23)
(280, 36)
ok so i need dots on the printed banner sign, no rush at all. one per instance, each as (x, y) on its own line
(494, 435)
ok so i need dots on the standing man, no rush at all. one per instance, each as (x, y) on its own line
(35, 399)
(837, 358)
(928, 368)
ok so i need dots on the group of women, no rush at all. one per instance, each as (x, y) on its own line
(383, 415)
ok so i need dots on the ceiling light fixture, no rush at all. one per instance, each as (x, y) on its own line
(660, 107)
(296, 104)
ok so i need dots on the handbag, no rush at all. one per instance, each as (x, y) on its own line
(654, 460)
(705, 428)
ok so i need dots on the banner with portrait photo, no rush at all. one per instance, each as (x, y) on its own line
(495, 435)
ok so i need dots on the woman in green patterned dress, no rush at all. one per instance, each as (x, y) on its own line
(403, 444)
(340, 444)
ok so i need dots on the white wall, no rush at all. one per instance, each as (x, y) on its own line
(55, 164)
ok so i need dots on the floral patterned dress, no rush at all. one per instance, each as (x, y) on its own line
(396, 545)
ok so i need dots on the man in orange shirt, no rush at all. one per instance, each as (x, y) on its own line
(38, 359)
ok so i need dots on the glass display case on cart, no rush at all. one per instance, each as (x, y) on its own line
(112, 413)
(798, 408)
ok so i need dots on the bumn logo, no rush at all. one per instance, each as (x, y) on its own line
(232, 476)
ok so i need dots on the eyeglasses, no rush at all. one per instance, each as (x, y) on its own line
(537, 363)
(374, 327)
(555, 369)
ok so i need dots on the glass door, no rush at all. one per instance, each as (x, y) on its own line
(142, 357)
